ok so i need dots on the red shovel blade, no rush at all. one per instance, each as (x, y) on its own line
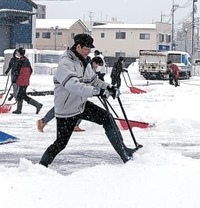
(132, 124)
(136, 90)
(5, 108)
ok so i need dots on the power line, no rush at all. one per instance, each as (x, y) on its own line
(187, 4)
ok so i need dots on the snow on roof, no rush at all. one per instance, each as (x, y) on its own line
(61, 23)
(16, 11)
(125, 26)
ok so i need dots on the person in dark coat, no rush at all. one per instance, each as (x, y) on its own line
(116, 72)
(12, 66)
(75, 81)
(22, 78)
(173, 72)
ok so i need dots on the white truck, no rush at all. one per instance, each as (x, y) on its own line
(153, 63)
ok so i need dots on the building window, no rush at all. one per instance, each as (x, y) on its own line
(37, 35)
(72, 35)
(118, 54)
(161, 37)
(168, 38)
(102, 35)
(46, 35)
(144, 36)
(59, 33)
(120, 35)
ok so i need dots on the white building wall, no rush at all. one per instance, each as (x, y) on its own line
(131, 46)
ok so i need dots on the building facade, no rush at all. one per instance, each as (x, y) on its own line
(57, 34)
(41, 11)
(128, 39)
(17, 19)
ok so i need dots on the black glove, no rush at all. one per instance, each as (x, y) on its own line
(6, 72)
(98, 91)
(114, 91)
(103, 93)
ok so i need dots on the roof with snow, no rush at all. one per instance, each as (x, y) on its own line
(16, 11)
(14, 16)
(125, 26)
(61, 23)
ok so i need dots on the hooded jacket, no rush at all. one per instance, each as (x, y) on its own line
(74, 83)
(24, 71)
(176, 71)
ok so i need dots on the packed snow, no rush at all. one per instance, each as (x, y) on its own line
(165, 173)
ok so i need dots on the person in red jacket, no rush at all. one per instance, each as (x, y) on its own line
(22, 79)
(173, 71)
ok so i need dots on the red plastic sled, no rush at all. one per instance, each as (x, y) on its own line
(138, 124)
(5, 108)
(136, 90)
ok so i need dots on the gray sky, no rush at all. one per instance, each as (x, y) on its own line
(128, 11)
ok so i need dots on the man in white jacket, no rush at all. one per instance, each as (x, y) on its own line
(75, 81)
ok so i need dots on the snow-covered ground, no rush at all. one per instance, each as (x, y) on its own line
(88, 173)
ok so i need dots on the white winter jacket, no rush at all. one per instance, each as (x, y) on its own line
(73, 86)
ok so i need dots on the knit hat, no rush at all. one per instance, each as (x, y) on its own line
(121, 58)
(84, 39)
(22, 51)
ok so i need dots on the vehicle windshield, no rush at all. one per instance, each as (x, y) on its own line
(174, 58)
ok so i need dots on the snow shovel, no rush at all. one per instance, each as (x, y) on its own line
(105, 104)
(131, 87)
(132, 123)
(6, 138)
(4, 91)
(5, 108)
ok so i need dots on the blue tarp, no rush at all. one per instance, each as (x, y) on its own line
(6, 138)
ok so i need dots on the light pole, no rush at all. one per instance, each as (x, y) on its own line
(55, 33)
(185, 30)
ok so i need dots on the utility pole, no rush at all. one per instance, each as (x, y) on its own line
(162, 15)
(91, 16)
(197, 32)
(174, 7)
(193, 27)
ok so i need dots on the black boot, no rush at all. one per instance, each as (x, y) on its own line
(114, 135)
(47, 157)
(36, 104)
(19, 107)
